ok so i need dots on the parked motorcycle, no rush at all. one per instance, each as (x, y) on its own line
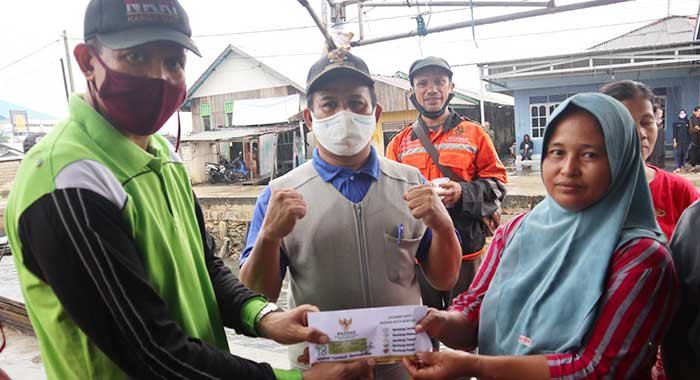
(227, 171)
(215, 172)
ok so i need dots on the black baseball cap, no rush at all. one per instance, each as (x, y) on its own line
(336, 62)
(427, 62)
(121, 24)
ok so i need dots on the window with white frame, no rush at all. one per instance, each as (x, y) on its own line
(538, 120)
(539, 115)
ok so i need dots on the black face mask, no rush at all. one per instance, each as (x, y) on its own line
(431, 115)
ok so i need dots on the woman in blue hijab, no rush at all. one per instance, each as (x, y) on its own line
(581, 287)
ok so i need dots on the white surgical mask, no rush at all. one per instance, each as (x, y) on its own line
(345, 133)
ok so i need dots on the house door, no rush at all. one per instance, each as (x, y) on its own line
(660, 99)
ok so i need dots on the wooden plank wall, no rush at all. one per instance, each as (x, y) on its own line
(392, 98)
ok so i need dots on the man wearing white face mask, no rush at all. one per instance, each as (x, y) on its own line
(348, 224)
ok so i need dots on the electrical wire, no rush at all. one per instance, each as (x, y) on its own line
(18, 60)
(12, 81)
(354, 20)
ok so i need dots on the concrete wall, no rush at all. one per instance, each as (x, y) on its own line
(680, 92)
(194, 155)
(228, 218)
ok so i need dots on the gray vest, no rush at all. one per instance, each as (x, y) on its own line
(345, 255)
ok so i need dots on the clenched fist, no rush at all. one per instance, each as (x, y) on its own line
(286, 206)
(425, 204)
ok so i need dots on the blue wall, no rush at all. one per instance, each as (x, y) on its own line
(682, 92)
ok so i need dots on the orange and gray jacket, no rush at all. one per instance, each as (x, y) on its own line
(468, 151)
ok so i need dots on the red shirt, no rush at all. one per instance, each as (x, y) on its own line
(671, 195)
(635, 311)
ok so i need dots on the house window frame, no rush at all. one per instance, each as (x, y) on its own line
(537, 132)
(205, 114)
(228, 113)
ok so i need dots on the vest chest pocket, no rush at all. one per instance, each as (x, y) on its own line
(400, 259)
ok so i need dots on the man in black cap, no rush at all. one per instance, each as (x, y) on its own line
(117, 270)
(458, 155)
(348, 224)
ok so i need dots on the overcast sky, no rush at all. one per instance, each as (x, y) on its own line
(36, 81)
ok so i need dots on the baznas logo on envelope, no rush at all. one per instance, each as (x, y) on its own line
(346, 323)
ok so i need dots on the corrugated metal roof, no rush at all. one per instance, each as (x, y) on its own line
(668, 30)
(475, 95)
(5, 108)
(488, 96)
(393, 81)
(228, 134)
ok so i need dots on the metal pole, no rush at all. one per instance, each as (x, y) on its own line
(360, 20)
(303, 140)
(68, 62)
(481, 101)
(697, 26)
(65, 84)
(492, 20)
(319, 24)
(417, 3)
(324, 12)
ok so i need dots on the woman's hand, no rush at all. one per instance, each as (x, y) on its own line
(444, 365)
(449, 327)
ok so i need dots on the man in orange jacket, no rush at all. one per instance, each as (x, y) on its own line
(467, 156)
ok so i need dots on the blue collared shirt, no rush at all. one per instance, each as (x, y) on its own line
(352, 184)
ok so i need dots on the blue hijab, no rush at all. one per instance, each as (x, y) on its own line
(545, 294)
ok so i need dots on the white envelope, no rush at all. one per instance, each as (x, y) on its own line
(386, 334)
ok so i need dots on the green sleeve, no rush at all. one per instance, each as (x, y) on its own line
(249, 311)
(287, 374)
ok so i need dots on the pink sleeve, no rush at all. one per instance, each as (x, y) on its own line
(640, 297)
(469, 302)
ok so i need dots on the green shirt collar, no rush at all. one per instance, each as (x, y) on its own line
(127, 154)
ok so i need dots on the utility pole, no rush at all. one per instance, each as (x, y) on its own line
(324, 13)
(68, 62)
(65, 84)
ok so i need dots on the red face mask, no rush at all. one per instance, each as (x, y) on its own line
(138, 105)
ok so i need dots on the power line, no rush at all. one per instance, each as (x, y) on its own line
(18, 60)
(351, 21)
(282, 55)
(546, 32)
(254, 31)
(14, 80)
